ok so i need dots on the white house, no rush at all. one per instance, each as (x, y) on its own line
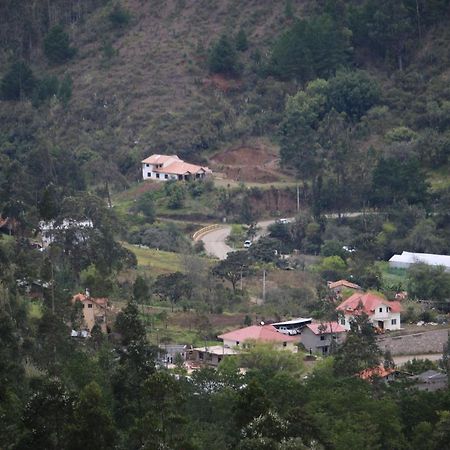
(170, 167)
(383, 314)
(407, 259)
(49, 230)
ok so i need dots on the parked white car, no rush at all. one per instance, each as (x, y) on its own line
(247, 244)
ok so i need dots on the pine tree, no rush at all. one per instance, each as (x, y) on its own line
(241, 41)
(223, 58)
(57, 46)
(18, 83)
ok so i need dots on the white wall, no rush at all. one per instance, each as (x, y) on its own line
(385, 317)
(148, 169)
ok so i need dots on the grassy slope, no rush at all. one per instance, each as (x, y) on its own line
(157, 261)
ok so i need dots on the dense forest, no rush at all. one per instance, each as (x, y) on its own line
(354, 99)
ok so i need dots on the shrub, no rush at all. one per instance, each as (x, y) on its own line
(241, 41)
(46, 88)
(119, 16)
(65, 90)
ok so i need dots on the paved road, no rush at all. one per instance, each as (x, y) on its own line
(215, 240)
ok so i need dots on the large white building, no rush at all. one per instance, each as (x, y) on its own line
(170, 167)
(407, 259)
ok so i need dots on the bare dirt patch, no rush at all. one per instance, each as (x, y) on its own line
(250, 163)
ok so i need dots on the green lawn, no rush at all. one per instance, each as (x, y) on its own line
(392, 276)
(157, 260)
(35, 309)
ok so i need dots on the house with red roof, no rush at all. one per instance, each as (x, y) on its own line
(319, 337)
(338, 286)
(383, 313)
(170, 167)
(380, 372)
(259, 333)
(94, 310)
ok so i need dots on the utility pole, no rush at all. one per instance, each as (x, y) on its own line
(298, 198)
(264, 286)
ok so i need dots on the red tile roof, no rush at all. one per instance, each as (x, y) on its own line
(103, 302)
(360, 302)
(265, 333)
(181, 168)
(326, 327)
(379, 371)
(159, 159)
(344, 283)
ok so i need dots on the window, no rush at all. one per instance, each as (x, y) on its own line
(147, 165)
(157, 175)
(381, 309)
(237, 342)
(166, 176)
(394, 322)
(200, 355)
(89, 305)
(149, 174)
(322, 338)
(284, 344)
(342, 321)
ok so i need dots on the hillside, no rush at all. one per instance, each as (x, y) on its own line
(153, 92)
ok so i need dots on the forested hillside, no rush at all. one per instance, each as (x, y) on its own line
(133, 77)
(310, 108)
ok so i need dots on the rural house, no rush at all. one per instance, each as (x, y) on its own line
(165, 168)
(338, 286)
(211, 355)
(386, 374)
(94, 310)
(383, 314)
(259, 333)
(319, 337)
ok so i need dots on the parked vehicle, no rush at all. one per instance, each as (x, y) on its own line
(247, 244)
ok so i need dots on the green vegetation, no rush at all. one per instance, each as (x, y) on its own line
(57, 46)
(344, 105)
(158, 260)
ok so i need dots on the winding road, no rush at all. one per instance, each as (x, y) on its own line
(215, 240)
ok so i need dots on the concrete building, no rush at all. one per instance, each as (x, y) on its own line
(320, 337)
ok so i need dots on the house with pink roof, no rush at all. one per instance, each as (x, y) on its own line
(384, 314)
(259, 333)
(319, 337)
(170, 167)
